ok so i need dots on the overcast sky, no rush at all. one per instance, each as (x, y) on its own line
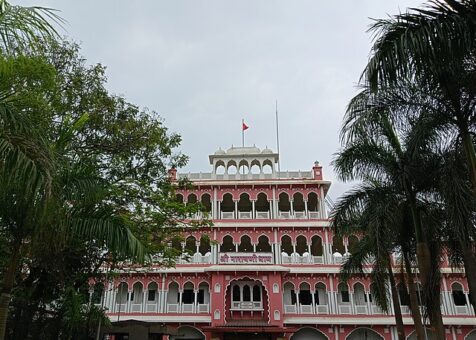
(205, 65)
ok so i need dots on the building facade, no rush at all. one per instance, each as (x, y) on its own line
(267, 269)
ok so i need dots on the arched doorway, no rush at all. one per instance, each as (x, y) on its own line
(364, 334)
(308, 333)
(189, 333)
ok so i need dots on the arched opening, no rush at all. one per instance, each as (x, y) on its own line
(301, 245)
(192, 198)
(205, 247)
(263, 245)
(245, 245)
(343, 296)
(203, 297)
(136, 297)
(246, 293)
(152, 296)
(121, 295)
(255, 167)
(227, 206)
(244, 206)
(206, 203)
(286, 245)
(305, 297)
(308, 333)
(188, 298)
(459, 297)
(471, 336)
(316, 246)
(187, 332)
(244, 168)
(289, 298)
(353, 244)
(338, 248)
(298, 204)
(320, 295)
(173, 297)
(359, 295)
(267, 167)
(227, 244)
(256, 293)
(220, 168)
(190, 245)
(284, 206)
(262, 206)
(312, 204)
(177, 245)
(231, 168)
(364, 334)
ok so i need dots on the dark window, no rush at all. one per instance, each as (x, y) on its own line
(459, 298)
(151, 295)
(256, 293)
(369, 298)
(201, 296)
(293, 297)
(345, 296)
(305, 297)
(246, 293)
(236, 293)
(131, 296)
(188, 296)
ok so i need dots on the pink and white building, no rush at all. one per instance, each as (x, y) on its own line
(267, 270)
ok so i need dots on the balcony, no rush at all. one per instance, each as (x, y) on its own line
(306, 309)
(247, 306)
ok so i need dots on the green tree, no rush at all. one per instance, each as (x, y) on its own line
(436, 46)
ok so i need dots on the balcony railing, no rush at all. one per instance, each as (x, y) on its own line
(246, 305)
(302, 259)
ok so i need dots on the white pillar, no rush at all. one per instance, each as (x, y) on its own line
(291, 203)
(253, 210)
(236, 209)
(195, 300)
(144, 299)
(180, 301)
(128, 303)
(305, 208)
(314, 309)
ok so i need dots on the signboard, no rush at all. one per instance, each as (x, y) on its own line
(245, 258)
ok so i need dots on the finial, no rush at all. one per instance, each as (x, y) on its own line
(316, 163)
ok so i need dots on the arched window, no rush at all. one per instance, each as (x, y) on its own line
(364, 333)
(173, 295)
(244, 168)
(190, 245)
(286, 244)
(262, 203)
(152, 292)
(246, 293)
(227, 244)
(459, 297)
(255, 167)
(298, 202)
(245, 244)
(301, 245)
(267, 167)
(206, 203)
(122, 293)
(236, 293)
(359, 294)
(256, 293)
(312, 202)
(284, 204)
(244, 204)
(179, 198)
(188, 295)
(231, 168)
(343, 293)
(305, 297)
(316, 246)
(192, 198)
(289, 297)
(205, 246)
(220, 168)
(320, 295)
(338, 245)
(263, 245)
(227, 204)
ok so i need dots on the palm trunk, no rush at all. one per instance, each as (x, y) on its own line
(470, 270)
(7, 286)
(414, 306)
(396, 302)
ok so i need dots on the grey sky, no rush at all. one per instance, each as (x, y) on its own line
(205, 65)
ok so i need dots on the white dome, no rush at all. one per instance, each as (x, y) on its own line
(220, 152)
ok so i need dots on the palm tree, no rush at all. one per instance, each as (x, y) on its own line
(22, 27)
(370, 210)
(436, 45)
(376, 147)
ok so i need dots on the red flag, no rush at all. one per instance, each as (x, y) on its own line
(244, 127)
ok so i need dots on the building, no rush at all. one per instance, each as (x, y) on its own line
(271, 270)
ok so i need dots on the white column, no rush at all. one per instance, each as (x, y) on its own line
(195, 300)
(314, 309)
(305, 208)
(298, 305)
(309, 257)
(273, 203)
(352, 305)
(128, 303)
(236, 209)
(253, 210)
(218, 210)
(144, 300)
(254, 248)
(291, 203)
(180, 301)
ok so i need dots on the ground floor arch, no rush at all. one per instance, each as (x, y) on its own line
(188, 332)
(429, 335)
(364, 334)
(308, 333)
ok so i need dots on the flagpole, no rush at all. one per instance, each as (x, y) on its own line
(242, 132)
(277, 138)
